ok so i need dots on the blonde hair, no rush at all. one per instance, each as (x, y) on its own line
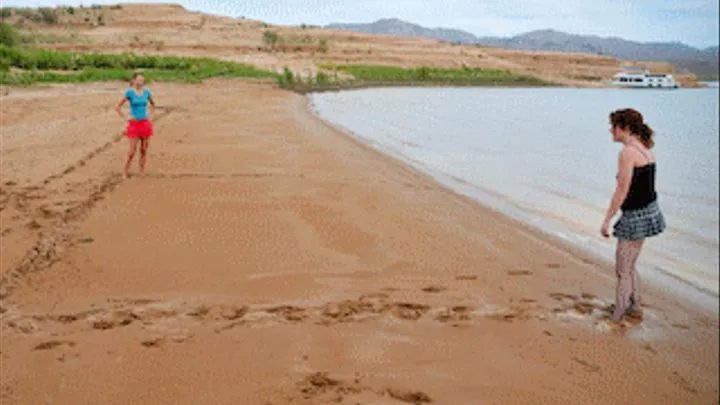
(135, 76)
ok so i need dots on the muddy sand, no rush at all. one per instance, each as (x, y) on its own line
(268, 258)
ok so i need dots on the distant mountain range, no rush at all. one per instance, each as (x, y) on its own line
(702, 62)
(393, 26)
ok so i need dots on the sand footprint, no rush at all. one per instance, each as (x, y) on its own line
(454, 314)
(683, 383)
(433, 289)
(51, 344)
(113, 319)
(343, 311)
(409, 311)
(289, 313)
(519, 273)
(588, 306)
(510, 315)
(216, 312)
(321, 388)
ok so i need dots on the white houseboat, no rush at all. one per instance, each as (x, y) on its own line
(645, 80)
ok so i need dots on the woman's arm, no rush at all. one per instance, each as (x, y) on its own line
(152, 105)
(625, 169)
(119, 106)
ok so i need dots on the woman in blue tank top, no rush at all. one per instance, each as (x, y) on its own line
(636, 197)
(139, 128)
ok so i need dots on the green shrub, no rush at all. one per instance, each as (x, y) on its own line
(27, 14)
(323, 45)
(322, 79)
(270, 38)
(5, 64)
(8, 35)
(47, 15)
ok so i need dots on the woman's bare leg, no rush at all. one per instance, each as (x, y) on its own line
(635, 296)
(625, 257)
(144, 144)
(130, 156)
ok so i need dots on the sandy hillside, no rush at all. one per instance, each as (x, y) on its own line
(268, 258)
(172, 30)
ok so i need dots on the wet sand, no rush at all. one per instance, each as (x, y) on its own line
(268, 258)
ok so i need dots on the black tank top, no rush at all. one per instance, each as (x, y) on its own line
(642, 187)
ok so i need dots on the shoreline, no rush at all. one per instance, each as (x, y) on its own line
(410, 84)
(359, 85)
(310, 88)
(692, 295)
(325, 272)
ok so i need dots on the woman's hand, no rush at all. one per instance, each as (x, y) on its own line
(605, 229)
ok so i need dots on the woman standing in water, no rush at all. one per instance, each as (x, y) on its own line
(636, 197)
(139, 126)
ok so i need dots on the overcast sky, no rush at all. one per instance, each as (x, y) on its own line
(694, 22)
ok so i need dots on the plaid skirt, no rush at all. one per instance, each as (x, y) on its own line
(640, 223)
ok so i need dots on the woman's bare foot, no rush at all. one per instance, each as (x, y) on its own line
(616, 325)
(635, 315)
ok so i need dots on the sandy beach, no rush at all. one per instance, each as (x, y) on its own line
(269, 258)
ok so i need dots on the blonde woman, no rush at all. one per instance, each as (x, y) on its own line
(139, 128)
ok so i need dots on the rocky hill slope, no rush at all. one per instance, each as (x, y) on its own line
(167, 29)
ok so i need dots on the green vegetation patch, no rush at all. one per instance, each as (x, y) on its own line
(464, 75)
(35, 65)
(337, 77)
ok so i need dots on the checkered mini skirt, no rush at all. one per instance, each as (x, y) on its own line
(640, 223)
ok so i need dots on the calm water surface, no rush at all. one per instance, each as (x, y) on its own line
(546, 156)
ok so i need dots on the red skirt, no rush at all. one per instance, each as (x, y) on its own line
(139, 129)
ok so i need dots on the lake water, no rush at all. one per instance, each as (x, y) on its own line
(545, 156)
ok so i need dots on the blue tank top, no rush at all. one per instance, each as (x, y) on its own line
(138, 104)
